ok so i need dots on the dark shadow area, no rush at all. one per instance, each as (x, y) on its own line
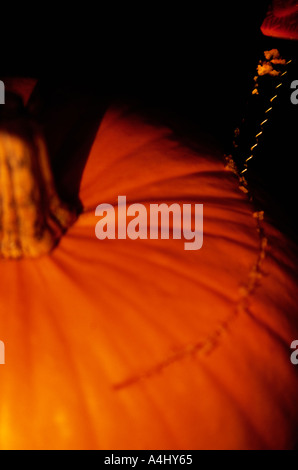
(69, 115)
(271, 172)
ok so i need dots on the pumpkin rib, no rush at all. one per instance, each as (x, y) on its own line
(158, 179)
(86, 401)
(89, 210)
(247, 290)
(219, 292)
(130, 301)
(138, 147)
(124, 296)
(276, 387)
(203, 347)
(175, 179)
(249, 286)
(232, 397)
(288, 265)
(211, 340)
(181, 176)
(268, 329)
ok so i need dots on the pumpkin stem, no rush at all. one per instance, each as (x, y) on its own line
(32, 216)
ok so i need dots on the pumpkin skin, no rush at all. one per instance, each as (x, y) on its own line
(122, 344)
(281, 20)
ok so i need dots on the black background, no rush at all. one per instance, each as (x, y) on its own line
(197, 58)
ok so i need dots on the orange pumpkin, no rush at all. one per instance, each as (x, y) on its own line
(281, 20)
(139, 344)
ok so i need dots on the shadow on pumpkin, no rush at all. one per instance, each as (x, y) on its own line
(70, 117)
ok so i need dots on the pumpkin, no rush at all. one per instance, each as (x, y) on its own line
(281, 20)
(139, 344)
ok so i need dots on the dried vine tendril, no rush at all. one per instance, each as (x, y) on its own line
(239, 160)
